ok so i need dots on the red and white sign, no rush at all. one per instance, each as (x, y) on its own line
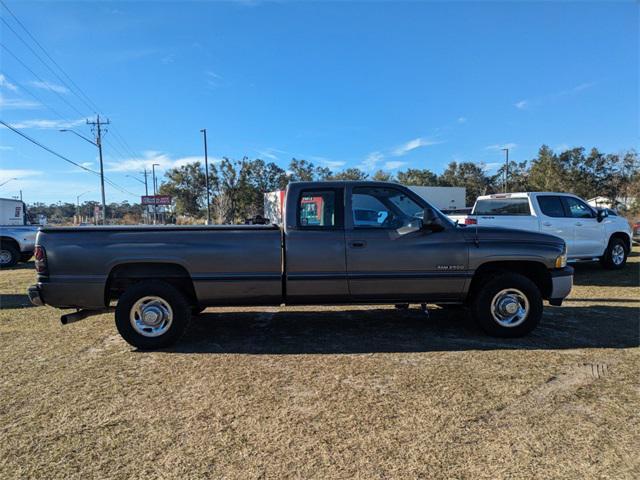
(156, 200)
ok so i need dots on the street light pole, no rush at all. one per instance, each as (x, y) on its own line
(155, 188)
(206, 172)
(506, 169)
(78, 203)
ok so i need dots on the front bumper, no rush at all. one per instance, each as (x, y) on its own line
(34, 295)
(561, 283)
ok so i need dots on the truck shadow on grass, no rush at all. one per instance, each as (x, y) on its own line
(14, 300)
(593, 274)
(383, 330)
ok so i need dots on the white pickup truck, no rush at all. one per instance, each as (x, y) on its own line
(17, 237)
(590, 234)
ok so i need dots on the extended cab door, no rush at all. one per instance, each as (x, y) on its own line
(554, 220)
(588, 233)
(314, 245)
(383, 263)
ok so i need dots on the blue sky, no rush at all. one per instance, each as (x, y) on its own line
(344, 84)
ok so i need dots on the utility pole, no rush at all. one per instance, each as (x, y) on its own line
(506, 169)
(98, 129)
(206, 172)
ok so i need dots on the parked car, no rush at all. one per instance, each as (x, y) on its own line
(590, 234)
(160, 275)
(17, 237)
(636, 232)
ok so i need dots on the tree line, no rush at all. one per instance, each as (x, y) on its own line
(237, 186)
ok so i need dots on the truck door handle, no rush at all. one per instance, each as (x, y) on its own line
(358, 244)
(546, 224)
(579, 224)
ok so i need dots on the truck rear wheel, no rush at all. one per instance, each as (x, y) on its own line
(9, 255)
(152, 315)
(508, 305)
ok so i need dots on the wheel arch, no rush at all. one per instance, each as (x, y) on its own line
(537, 272)
(126, 274)
(10, 241)
(624, 236)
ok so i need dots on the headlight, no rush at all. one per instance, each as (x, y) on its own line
(561, 261)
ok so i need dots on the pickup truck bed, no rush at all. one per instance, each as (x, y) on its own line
(228, 264)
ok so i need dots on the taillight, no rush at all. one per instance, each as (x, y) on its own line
(41, 260)
(470, 221)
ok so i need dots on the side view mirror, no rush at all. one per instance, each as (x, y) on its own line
(429, 217)
(415, 226)
(602, 214)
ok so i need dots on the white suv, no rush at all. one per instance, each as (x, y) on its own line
(590, 234)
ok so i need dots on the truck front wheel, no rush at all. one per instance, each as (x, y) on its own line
(615, 256)
(152, 315)
(507, 305)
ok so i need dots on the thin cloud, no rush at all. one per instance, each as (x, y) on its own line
(268, 154)
(164, 161)
(462, 119)
(44, 124)
(8, 173)
(17, 103)
(394, 164)
(333, 163)
(526, 103)
(371, 161)
(4, 83)
(49, 86)
(510, 146)
(213, 79)
(412, 145)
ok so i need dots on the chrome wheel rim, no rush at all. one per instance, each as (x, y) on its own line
(617, 254)
(151, 316)
(5, 257)
(509, 307)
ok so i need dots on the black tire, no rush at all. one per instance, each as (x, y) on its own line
(180, 308)
(611, 258)
(25, 257)
(481, 305)
(9, 255)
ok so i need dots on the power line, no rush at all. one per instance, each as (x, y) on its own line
(41, 80)
(37, 97)
(88, 104)
(66, 159)
(76, 90)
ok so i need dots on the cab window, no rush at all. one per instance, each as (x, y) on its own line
(502, 206)
(317, 209)
(578, 209)
(551, 205)
(383, 208)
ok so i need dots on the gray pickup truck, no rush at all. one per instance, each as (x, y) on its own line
(158, 276)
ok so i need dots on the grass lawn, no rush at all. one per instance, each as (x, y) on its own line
(326, 392)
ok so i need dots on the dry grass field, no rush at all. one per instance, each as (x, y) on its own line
(349, 392)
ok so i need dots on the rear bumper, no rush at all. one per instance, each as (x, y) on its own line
(34, 295)
(67, 295)
(561, 284)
